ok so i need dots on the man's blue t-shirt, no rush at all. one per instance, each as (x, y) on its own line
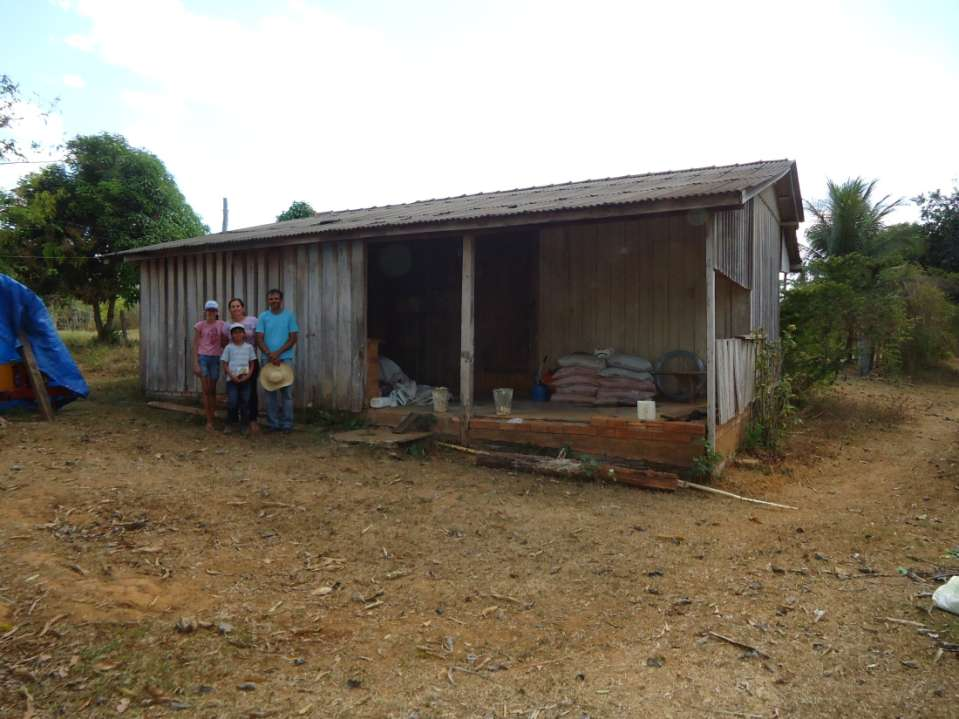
(276, 329)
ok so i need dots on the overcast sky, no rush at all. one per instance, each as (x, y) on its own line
(351, 104)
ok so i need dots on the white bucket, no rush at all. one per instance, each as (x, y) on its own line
(646, 409)
(441, 399)
(503, 401)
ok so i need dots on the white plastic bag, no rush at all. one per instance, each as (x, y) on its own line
(947, 596)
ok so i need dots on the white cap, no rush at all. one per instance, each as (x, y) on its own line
(212, 305)
(237, 326)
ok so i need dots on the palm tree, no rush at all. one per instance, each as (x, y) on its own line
(849, 221)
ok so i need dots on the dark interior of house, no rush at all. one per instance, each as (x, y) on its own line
(414, 310)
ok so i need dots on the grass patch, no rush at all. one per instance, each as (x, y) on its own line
(116, 361)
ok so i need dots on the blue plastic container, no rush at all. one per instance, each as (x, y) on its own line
(540, 392)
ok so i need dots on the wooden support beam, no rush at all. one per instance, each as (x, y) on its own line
(467, 328)
(36, 379)
(710, 329)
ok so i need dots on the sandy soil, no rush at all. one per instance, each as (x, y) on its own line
(321, 581)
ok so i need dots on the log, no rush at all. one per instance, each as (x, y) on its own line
(645, 478)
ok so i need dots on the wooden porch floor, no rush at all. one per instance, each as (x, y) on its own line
(560, 411)
(609, 432)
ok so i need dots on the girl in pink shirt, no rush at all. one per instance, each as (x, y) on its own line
(207, 348)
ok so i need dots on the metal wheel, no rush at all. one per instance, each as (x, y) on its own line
(676, 388)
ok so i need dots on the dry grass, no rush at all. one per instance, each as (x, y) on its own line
(360, 584)
(116, 361)
(839, 411)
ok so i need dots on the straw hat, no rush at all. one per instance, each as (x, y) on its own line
(276, 376)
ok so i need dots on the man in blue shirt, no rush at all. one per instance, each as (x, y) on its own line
(276, 334)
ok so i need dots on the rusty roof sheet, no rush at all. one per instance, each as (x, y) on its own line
(703, 182)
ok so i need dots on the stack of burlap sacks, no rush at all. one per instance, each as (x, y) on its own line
(618, 379)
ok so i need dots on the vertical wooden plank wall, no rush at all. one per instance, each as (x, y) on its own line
(767, 246)
(327, 346)
(324, 285)
(635, 285)
(735, 375)
(358, 335)
(312, 323)
(734, 245)
(145, 307)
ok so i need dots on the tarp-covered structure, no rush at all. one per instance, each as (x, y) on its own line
(21, 311)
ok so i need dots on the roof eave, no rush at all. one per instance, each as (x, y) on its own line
(487, 222)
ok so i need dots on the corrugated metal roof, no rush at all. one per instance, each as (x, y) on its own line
(703, 182)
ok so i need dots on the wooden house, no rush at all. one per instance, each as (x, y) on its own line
(471, 293)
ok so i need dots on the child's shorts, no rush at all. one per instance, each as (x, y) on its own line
(210, 367)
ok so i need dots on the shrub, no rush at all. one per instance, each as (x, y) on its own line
(773, 403)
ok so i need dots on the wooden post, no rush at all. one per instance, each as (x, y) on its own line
(36, 379)
(710, 330)
(467, 330)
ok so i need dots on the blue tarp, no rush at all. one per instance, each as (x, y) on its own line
(22, 311)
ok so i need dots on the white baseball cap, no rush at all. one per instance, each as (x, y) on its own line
(237, 326)
(212, 305)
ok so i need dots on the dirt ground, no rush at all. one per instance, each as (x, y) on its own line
(315, 580)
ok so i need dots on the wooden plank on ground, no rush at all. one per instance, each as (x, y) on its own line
(183, 409)
(380, 437)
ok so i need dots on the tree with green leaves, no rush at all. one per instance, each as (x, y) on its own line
(904, 241)
(9, 97)
(940, 222)
(64, 223)
(849, 220)
(296, 211)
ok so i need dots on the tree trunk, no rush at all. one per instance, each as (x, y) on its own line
(97, 319)
(111, 313)
(104, 327)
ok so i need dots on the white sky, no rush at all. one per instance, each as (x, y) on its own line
(349, 105)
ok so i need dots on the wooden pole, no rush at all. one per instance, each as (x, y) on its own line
(710, 331)
(467, 329)
(724, 493)
(36, 379)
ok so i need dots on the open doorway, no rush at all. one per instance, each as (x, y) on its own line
(414, 318)
(414, 307)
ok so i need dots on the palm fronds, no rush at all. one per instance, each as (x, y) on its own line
(848, 220)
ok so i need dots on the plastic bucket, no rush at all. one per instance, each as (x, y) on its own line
(503, 399)
(441, 399)
(645, 409)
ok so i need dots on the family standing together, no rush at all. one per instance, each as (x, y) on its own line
(229, 348)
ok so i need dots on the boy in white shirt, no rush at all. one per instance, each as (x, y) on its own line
(238, 360)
